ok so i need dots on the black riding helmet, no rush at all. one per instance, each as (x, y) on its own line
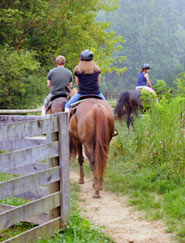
(146, 66)
(86, 55)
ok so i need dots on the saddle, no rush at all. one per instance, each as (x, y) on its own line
(81, 99)
(54, 98)
(90, 97)
(59, 96)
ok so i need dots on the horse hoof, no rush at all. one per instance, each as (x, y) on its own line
(97, 195)
(81, 181)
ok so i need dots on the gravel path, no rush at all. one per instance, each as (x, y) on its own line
(122, 223)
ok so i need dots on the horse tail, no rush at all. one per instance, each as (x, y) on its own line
(122, 101)
(102, 139)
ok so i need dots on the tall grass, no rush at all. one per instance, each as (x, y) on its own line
(149, 164)
(80, 230)
(160, 137)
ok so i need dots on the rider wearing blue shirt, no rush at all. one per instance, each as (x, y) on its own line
(143, 79)
(87, 77)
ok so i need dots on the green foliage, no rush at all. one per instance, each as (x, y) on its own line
(155, 33)
(48, 28)
(35, 32)
(147, 99)
(149, 163)
(21, 81)
(20, 227)
(162, 90)
(180, 83)
(160, 87)
(162, 135)
(15, 230)
(162, 94)
(11, 201)
(80, 230)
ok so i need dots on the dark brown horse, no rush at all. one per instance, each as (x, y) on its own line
(58, 103)
(92, 126)
(129, 103)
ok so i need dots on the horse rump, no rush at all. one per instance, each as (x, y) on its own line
(123, 101)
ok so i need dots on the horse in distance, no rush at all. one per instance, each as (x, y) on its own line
(129, 102)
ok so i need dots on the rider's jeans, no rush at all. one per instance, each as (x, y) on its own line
(76, 98)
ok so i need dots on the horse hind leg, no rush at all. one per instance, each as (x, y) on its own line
(89, 151)
(97, 187)
(128, 121)
(81, 161)
(132, 122)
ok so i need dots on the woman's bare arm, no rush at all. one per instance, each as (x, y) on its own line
(76, 80)
(148, 80)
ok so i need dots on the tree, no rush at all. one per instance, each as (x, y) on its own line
(154, 34)
(20, 86)
(50, 28)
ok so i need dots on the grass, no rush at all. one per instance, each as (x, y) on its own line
(112, 102)
(79, 230)
(158, 197)
(149, 166)
(15, 230)
(152, 176)
(20, 227)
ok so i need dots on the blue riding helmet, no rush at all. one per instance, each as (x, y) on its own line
(146, 66)
(86, 55)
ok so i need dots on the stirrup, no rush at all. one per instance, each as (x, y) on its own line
(115, 132)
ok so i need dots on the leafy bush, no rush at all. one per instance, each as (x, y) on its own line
(162, 91)
(159, 136)
(149, 163)
(21, 80)
(180, 83)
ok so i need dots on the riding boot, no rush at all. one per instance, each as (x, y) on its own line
(68, 110)
(43, 110)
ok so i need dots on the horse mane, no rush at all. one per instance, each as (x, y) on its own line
(102, 138)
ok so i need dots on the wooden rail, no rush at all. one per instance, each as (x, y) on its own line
(28, 161)
(14, 112)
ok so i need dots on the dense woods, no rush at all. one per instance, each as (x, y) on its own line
(34, 32)
(122, 37)
(155, 33)
(147, 164)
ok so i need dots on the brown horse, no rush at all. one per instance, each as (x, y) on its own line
(92, 126)
(58, 103)
(129, 103)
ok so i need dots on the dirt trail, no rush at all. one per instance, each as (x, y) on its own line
(122, 223)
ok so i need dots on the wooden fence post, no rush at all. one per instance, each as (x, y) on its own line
(64, 167)
(56, 151)
(53, 162)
